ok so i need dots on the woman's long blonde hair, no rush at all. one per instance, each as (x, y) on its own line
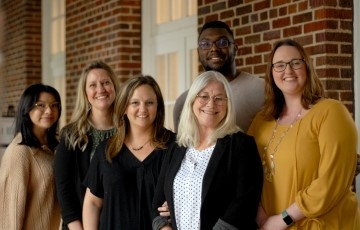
(77, 130)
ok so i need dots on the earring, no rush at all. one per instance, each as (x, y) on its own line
(89, 106)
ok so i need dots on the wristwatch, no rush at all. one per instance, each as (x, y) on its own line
(287, 219)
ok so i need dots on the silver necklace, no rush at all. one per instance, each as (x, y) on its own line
(269, 172)
(139, 148)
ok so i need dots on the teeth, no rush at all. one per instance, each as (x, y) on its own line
(101, 97)
(289, 79)
(210, 112)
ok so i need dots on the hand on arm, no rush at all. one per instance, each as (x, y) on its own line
(261, 216)
(164, 210)
(91, 210)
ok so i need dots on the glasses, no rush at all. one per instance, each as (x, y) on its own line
(221, 43)
(43, 106)
(294, 64)
(218, 100)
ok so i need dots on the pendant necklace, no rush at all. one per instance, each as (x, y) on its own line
(269, 172)
(139, 148)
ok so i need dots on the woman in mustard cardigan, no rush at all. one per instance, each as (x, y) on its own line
(308, 148)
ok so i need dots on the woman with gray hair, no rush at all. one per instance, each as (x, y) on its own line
(212, 176)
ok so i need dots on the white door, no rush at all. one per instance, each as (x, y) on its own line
(169, 42)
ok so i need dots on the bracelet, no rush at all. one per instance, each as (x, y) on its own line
(287, 218)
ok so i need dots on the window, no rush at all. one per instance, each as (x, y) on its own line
(169, 47)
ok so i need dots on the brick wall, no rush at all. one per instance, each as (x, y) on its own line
(22, 49)
(111, 30)
(324, 28)
(106, 30)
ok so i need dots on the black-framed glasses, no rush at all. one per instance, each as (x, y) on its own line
(218, 100)
(294, 64)
(221, 43)
(43, 106)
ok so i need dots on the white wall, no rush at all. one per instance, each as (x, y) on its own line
(357, 75)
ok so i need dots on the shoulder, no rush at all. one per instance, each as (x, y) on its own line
(16, 154)
(67, 129)
(245, 76)
(331, 106)
(181, 98)
(237, 138)
(328, 102)
(246, 83)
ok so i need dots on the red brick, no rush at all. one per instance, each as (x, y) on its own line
(281, 22)
(292, 31)
(301, 18)
(259, 6)
(342, 14)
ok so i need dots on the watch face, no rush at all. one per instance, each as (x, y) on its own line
(287, 219)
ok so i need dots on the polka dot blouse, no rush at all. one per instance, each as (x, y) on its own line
(188, 187)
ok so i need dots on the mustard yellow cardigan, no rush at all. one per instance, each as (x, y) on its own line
(314, 167)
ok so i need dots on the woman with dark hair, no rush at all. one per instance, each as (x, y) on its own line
(123, 174)
(308, 148)
(27, 185)
(91, 123)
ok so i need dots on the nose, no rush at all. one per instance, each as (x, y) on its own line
(48, 109)
(288, 68)
(214, 46)
(142, 106)
(211, 102)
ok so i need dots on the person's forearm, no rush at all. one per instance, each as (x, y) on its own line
(91, 217)
(295, 212)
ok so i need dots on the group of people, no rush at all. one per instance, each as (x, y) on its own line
(247, 153)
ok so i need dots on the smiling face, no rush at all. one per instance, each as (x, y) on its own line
(100, 90)
(209, 114)
(43, 117)
(219, 59)
(142, 107)
(291, 82)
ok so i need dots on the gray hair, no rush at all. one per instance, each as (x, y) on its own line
(188, 134)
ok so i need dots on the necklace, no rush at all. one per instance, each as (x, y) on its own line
(139, 148)
(269, 172)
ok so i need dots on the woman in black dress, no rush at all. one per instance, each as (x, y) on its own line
(123, 174)
(90, 124)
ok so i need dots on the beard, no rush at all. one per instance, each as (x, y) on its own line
(223, 68)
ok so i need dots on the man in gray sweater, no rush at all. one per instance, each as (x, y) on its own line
(217, 50)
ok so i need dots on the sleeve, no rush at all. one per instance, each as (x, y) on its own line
(337, 140)
(159, 195)
(94, 176)
(179, 104)
(15, 172)
(241, 212)
(65, 179)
